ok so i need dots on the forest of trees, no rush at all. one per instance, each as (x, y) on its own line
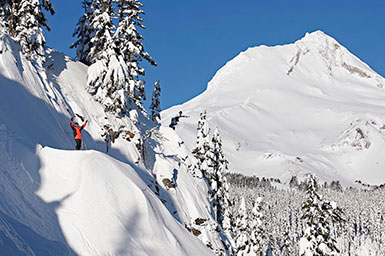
(361, 229)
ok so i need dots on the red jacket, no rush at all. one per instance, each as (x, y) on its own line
(77, 130)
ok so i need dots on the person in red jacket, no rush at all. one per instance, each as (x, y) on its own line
(77, 130)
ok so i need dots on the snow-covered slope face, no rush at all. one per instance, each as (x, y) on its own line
(109, 210)
(310, 106)
(56, 201)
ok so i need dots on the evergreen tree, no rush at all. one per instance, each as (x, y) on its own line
(155, 104)
(287, 246)
(218, 179)
(242, 231)
(203, 150)
(101, 14)
(108, 39)
(332, 215)
(5, 13)
(256, 227)
(85, 32)
(319, 215)
(221, 200)
(129, 42)
(311, 213)
(24, 20)
(228, 224)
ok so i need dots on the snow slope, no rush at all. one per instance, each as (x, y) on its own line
(310, 106)
(56, 201)
(105, 208)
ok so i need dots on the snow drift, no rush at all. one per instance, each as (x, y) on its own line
(310, 106)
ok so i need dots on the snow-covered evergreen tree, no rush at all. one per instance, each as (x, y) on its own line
(203, 149)
(319, 216)
(101, 14)
(28, 27)
(221, 198)
(218, 179)
(228, 227)
(257, 236)
(24, 20)
(286, 246)
(129, 42)
(155, 103)
(108, 39)
(5, 13)
(242, 231)
(85, 32)
(311, 214)
(332, 215)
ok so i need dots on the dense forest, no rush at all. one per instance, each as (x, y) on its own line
(360, 230)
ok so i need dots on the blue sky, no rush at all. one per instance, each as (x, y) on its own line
(191, 40)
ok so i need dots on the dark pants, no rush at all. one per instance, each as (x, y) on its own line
(78, 144)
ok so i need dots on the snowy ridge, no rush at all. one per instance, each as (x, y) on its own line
(48, 193)
(291, 101)
(95, 216)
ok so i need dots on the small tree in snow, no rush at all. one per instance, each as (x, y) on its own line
(287, 246)
(203, 150)
(155, 104)
(242, 231)
(257, 237)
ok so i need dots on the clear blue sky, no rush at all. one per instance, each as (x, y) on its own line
(191, 40)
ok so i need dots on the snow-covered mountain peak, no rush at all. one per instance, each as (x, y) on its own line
(317, 36)
(295, 100)
(316, 56)
(321, 54)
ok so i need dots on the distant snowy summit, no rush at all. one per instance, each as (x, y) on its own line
(311, 100)
(315, 53)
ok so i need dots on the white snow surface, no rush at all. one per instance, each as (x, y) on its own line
(57, 201)
(307, 107)
(105, 208)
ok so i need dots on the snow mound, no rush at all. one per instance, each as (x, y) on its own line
(296, 100)
(105, 208)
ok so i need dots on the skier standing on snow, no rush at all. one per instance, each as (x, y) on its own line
(77, 130)
(175, 120)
